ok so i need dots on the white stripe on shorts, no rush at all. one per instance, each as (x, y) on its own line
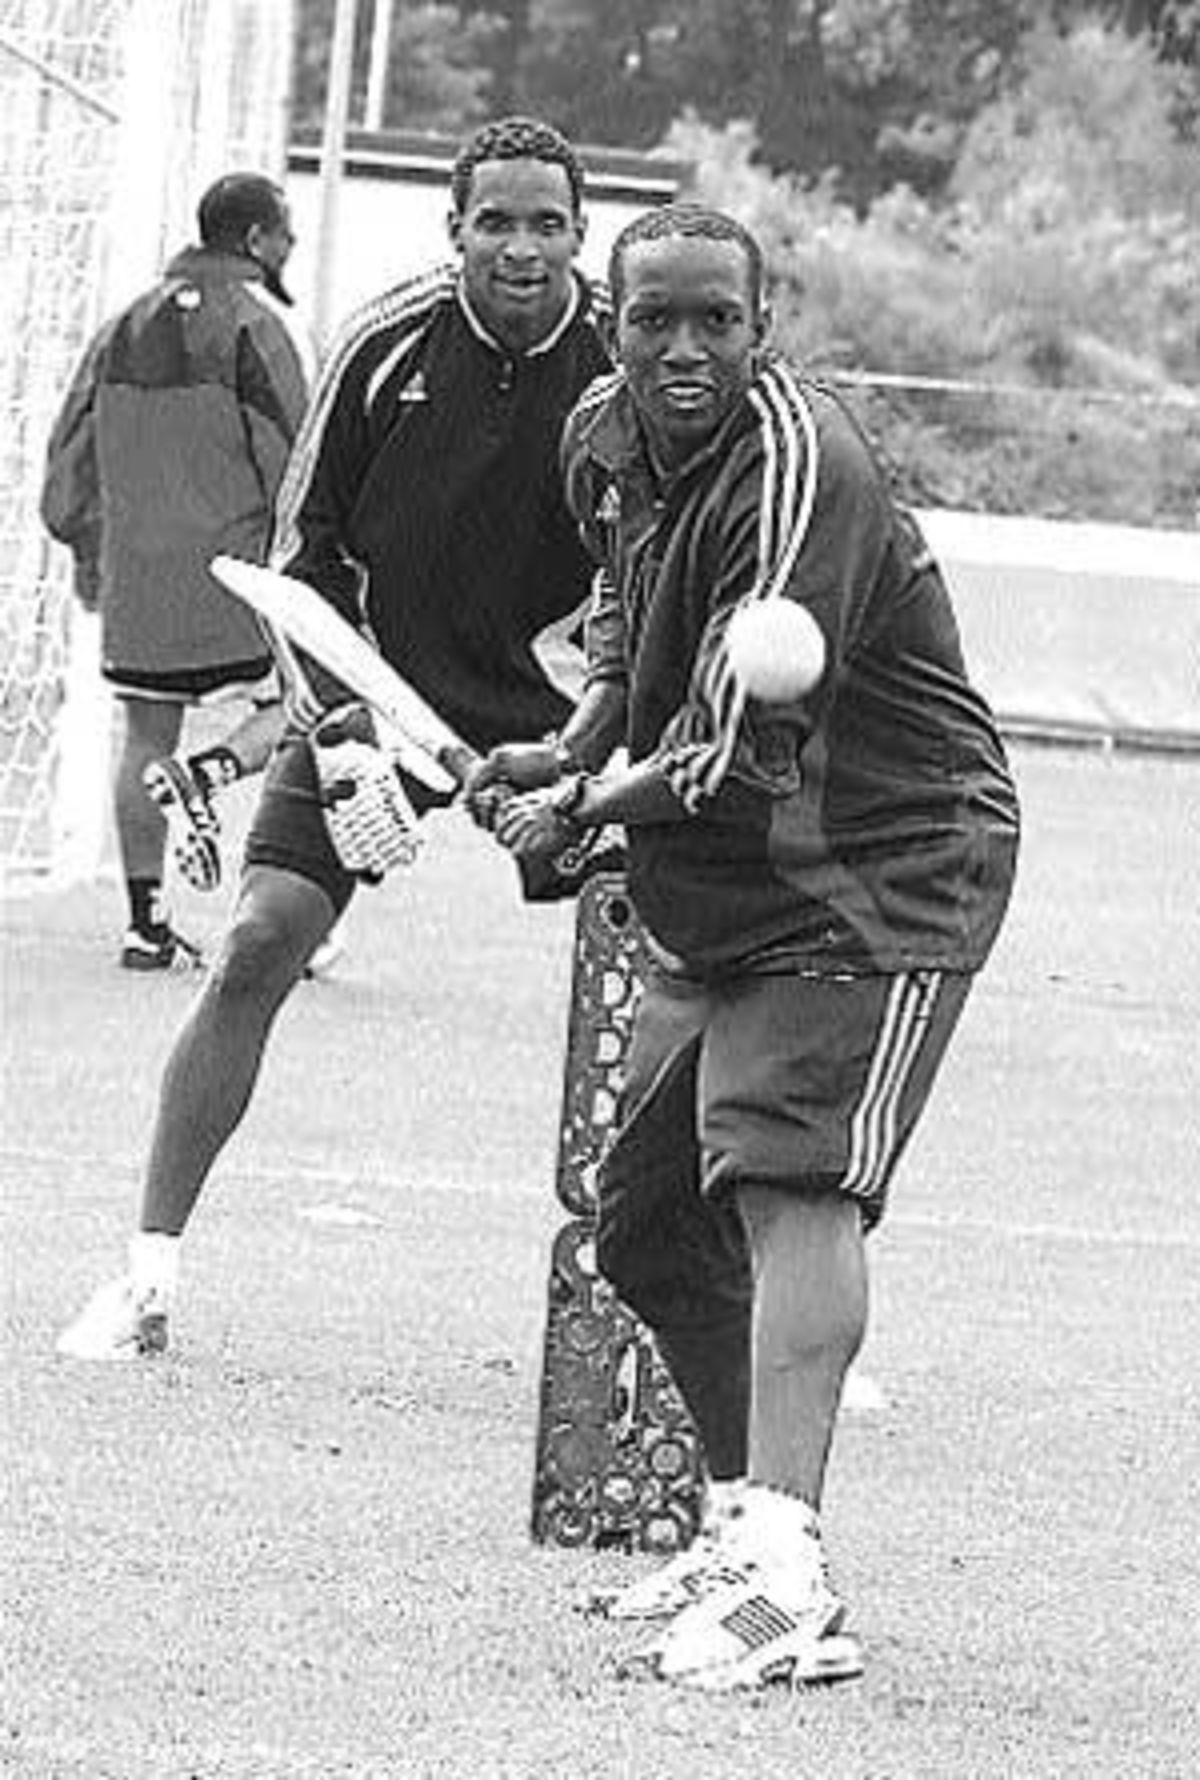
(873, 1126)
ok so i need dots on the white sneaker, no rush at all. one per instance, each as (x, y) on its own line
(684, 1579)
(118, 1323)
(780, 1621)
(776, 1625)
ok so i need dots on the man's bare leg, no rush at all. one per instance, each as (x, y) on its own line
(809, 1320)
(766, 1606)
(206, 1088)
(209, 1078)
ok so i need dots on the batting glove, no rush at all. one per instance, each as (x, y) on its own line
(371, 823)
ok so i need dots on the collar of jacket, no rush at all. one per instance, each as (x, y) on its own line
(615, 437)
(198, 263)
(575, 302)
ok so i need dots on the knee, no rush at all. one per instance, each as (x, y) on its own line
(810, 1267)
(259, 960)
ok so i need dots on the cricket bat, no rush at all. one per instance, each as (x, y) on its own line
(422, 741)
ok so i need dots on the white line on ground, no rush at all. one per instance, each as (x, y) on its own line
(349, 1215)
(359, 1183)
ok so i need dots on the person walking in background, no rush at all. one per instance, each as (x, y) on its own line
(821, 867)
(170, 446)
(423, 500)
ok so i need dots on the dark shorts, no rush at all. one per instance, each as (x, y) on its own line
(256, 680)
(288, 830)
(805, 1083)
(801, 1081)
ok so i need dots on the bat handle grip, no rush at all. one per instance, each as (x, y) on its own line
(458, 760)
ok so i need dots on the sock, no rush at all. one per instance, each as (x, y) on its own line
(723, 1501)
(146, 911)
(154, 1262)
(778, 1525)
(725, 1494)
(214, 767)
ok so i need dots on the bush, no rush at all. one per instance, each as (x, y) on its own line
(1075, 325)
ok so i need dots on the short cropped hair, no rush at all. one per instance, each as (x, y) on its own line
(514, 139)
(233, 206)
(688, 220)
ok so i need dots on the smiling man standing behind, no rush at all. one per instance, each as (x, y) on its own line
(423, 499)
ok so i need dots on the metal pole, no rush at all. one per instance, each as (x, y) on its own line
(333, 144)
(377, 73)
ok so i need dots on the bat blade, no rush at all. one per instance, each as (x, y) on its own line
(424, 742)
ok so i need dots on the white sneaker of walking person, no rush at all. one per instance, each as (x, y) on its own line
(780, 1620)
(128, 1318)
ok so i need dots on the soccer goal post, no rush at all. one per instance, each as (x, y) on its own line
(114, 115)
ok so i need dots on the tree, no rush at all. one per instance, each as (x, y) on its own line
(595, 69)
(440, 75)
(1052, 133)
(506, 48)
(1174, 25)
(872, 93)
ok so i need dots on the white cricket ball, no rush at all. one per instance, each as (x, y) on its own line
(776, 650)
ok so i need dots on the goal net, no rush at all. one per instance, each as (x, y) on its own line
(114, 115)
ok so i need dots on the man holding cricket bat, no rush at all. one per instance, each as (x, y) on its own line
(423, 500)
(822, 832)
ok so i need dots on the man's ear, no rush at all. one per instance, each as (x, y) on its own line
(454, 229)
(764, 323)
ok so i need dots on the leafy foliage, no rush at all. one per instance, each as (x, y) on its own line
(1080, 317)
(872, 92)
(993, 191)
(438, 70)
